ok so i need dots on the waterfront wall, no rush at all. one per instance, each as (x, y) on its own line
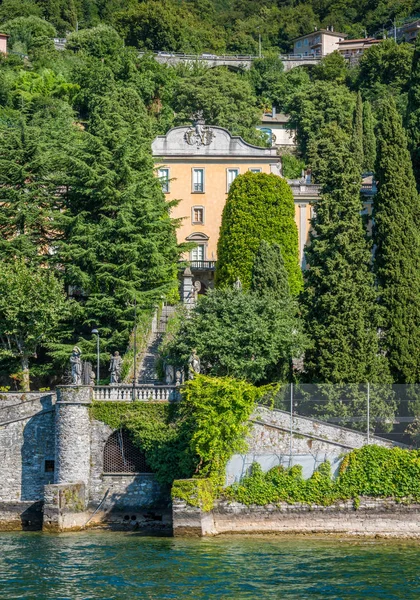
(26, 443)
(312, 443)
(47, 442)
(374, 517)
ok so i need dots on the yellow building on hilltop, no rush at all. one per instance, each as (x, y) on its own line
(197, 164)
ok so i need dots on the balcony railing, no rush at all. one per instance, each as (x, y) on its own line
(203, 265)
(314, 189)
(143, 393)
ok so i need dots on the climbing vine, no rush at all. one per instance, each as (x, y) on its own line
(369, 471)
(193, 438)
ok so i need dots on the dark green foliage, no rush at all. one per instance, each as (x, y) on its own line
(33, 156)
(333, 67)
(340, 298)
(32, 303)
(269, 275)
(224, 98)
(244, 335)
(29, 33)
(385, 68)
(369, 471)
(168, 25)
(369, 139)
(119, 242)
(322, 103)
(292, 166)
(259, 207)
(357, 134)
(101, 42)
(266, 75)
(413, 113)
(397, 239)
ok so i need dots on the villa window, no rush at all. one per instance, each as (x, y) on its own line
(164, 180)
(198, 180)
(232, 174)
(198, 215)
(198, 253)
(256, 170)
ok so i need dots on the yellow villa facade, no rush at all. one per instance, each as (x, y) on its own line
(196, 165)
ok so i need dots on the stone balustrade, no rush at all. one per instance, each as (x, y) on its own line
(145, 393)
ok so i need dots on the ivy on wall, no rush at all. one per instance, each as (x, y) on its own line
(195, 437)
(369, 471)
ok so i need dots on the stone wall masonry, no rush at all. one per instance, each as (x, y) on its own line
(26, 441)
(374, 517)
(125, 491)
(72, 434)
(21, 516)
(318, 431)
(64, 507)
(313, 442)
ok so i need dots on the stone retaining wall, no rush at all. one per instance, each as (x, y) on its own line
(374, 517)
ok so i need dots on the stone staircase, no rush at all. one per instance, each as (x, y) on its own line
(147, 368)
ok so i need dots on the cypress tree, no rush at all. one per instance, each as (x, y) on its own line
(259, 207)
(396, 213)
(269, 275)
(357, 132)
(413, 113)
(369, 139)
(339, 296)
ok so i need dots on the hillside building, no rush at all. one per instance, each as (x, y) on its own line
(353, 49)
(197, 165)
(277, 128)
(3, 42)
(318, 43)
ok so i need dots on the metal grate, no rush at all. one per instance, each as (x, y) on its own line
(121, 456)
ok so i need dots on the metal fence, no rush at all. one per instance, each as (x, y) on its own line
(389, 411)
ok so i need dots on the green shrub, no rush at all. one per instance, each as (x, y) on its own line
(259, 207)
(369, 471)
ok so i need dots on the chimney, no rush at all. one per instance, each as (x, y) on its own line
(273, 112)
(332, 28)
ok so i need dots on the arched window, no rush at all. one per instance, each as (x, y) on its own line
(122, 456)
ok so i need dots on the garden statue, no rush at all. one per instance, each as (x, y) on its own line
(169, 374)
(76, 366)
(115, 367)
(193, 364)
(237, 285)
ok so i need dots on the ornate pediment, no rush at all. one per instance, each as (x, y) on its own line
(199, 134)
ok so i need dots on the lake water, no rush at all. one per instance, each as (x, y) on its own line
(108, 565)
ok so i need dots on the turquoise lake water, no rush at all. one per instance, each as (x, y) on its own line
(125, 565)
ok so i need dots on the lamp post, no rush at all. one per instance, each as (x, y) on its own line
(259, 41)
(96, 332)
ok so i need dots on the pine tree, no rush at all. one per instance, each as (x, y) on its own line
(259, 207)
(396, 215)
(269, 275)
(119, 242)
(413, 113)
(339, 296)
(357, 133)
(33, 156)
(369, 139)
